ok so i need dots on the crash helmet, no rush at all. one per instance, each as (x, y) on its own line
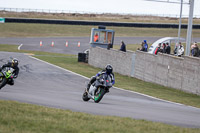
(15, 62)
(109, 69)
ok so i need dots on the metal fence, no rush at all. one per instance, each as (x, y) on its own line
(83, 12)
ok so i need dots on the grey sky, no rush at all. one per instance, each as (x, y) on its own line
(103, 6)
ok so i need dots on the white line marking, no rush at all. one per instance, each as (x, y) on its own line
(20, 46)
(148, 96)
(113, 86)
(59, 67)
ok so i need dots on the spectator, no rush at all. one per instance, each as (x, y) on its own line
(123, 47)
(96, 37)
(168, 48)
(180, 50)
(109, 45)
(142, 47)
(196, 50)
(164, 48)
(192, 49)
(175, 49)
(145, 46)
(158, 49)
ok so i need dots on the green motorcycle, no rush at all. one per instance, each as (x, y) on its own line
(5, 75)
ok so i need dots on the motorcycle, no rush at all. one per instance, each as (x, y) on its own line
(98, 89)
(5, 75)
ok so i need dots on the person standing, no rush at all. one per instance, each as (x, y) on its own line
(175, 49)
(145, 46)
(164, 48)
(109, 45)
(168, 48)
(158, 49)
(123, 46)
(96, 37)
(142, 47)
(192, 49)
(180, 50)
(196, 50)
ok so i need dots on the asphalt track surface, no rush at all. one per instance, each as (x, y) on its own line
(33, 43)
(43, 84)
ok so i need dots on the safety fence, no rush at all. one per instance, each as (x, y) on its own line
(88, 12)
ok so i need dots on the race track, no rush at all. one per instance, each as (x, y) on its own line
(43, 84)
(33, 43)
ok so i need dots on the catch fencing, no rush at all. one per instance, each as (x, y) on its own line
(89, 12)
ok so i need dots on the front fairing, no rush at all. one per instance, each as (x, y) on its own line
(104, 80)
(7, 72)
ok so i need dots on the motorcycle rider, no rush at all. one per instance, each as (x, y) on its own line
(108, 70)
(13, 64)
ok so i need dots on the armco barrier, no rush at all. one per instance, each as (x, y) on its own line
(68, 22)
(167, 70)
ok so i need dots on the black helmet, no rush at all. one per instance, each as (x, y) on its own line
(109, 69)
(15, 62)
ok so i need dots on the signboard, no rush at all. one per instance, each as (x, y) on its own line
(2, 20)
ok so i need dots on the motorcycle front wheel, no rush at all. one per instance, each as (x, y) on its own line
(99, 93)
(2, 82)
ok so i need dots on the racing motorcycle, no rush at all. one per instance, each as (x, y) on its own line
(98, 89)
(5, 75)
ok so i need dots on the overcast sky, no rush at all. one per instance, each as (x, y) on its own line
(104, 6)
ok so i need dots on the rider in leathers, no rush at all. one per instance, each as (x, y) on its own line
(13, 64)
(108, 70)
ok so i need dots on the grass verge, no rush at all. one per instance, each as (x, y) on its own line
(26, 118)
(125, 82)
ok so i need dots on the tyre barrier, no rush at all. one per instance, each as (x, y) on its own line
(117, 24)
(82, 57)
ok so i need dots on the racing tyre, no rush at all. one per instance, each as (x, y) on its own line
(99, 94)
(85, 96)
(2, 82)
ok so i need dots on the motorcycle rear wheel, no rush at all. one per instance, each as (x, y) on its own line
(85, 96)
(99, 94)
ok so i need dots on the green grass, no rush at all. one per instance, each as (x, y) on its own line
(26, 118)
(53, 30)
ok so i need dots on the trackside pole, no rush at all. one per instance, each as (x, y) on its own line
(189, 30)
